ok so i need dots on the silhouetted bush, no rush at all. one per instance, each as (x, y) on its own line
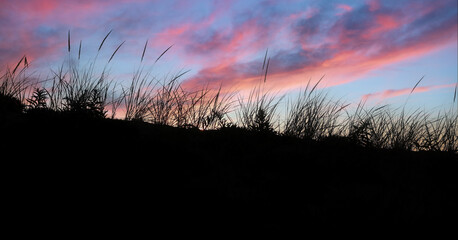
(10, 105)
(38, 98)
(258, 111)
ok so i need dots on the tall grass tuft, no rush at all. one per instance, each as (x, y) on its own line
(258, 111)
(137, 97)
(383, 127)
(405, 130)
(13, 87)
(441, 133)
(14, 83)
(204, 109)
(367, 127)
(79, 90)
(166, 102)
(173, 105)
(313, 115)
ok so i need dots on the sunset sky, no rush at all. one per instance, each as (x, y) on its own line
(367, 49)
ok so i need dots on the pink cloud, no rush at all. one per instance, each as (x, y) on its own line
(352, 55)
(391, 93)
(343, 8)
(38, 28)
(308, 13)
(374, 5)
(173, 34)
(383, 23)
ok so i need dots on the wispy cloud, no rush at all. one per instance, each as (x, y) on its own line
(391, 93)
(343, 8)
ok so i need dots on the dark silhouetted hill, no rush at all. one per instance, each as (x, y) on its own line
(68, 169)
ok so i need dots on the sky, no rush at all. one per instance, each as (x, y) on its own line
(374, 50)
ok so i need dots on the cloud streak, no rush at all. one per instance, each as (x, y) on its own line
(391, 93)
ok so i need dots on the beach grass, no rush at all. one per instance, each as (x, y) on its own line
(313, 114)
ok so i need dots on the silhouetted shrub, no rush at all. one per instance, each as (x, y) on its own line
(9, 105)
(88, 102)
(38, 98)
(258, 111)
(261, 123)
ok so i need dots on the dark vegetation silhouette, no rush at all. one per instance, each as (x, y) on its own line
(78, 146)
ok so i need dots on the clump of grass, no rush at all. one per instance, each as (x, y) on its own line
(366, 126)
(441, 133)
(258, 111)
(313, 115)
(137, 97)
(171, 104)
(167, 101)
(13, 87)
(147, 98)
(79, 90)
(382, 127)
(405, 130)
(205, 109)
(14, 83)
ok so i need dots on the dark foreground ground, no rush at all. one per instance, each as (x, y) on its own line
(60, 172)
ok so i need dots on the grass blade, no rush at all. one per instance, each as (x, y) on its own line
(456, 90)
(116, 51)
(79, 50)
(180, 75)
(68, 40)
(416, 84)
(19, 63)
(144, 50)
(163, 53)
(316, 84)
(265, 57)
(267, 68)
(105, 38)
